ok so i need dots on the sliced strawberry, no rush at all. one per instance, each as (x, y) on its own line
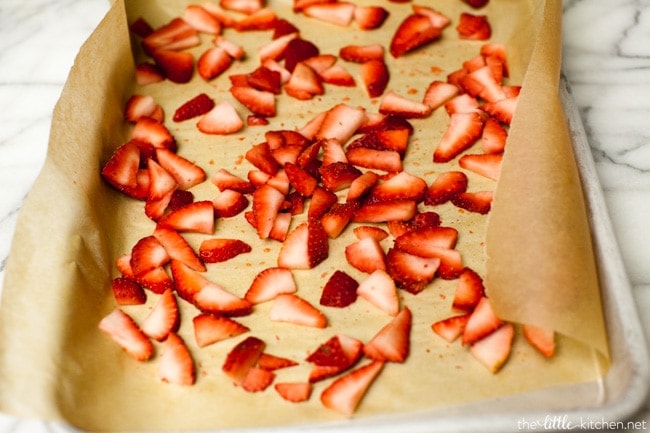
(122, 167)
(297, 50)
(542, 339)
(450, 328)
(275, 50)
(479, 201)
(402, 186)
(304, 183)
(463, 103)
(370, 17)
(270, 283)
(242, 357)
(157, 280)
(141, 27)
(197, 217)
(345, 393)
(244, 6)
(147, 253)
(395, 104)
(338, 175)
(215, 250)
(447, 185)
(213, 62)
(392, 342)
(294, 392)
(267, 202)
(362, 53)
(261, 102)
(338, 76)
(469, 291)
(482, 322)
(439, 93)
(366, 255)
(474, 27)
(414, 31)
(222, 119)
(128, 292)
(185, 172)
(163, 319)
(385, 160)
(261, 19)
(332, 151)
(138, 106)
(283, 27)
(212, 328)
(463, 131)
(437, 18)
(234, 50)
(304, 83)
(213, 298)
(290, 308)
(201, 20)
(374, 232)
(338, 351)
(225, 180)
(488, 165)
(175, 35)
(260, 156)
(481, 83)
(321, 201)
(197, 106)
(502, 110)
(257, 379)
(148, 73)
(340, 12)
(410, 272)
(321, 62)
(148, 130)
(177, 247)
(375, 76)
(305, 247)
(177, 66)
(338, 217)
(265, 79)
(496, 53)
(379, 212)
(494, 136)
(161, 182)
(493, 351)
(229, 203)
(269, 362)
(125, 332)
(379, 289)
(179, 199)
(339, 291)
(341, 122)
(424, 242)
(361, 185)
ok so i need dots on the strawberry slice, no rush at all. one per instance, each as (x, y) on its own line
(385, 160)
(185, 173)
(361, 185)
(221, 120)
(380, 212)
(542, 339)
(141, 27)
(126, 333)
(488, 165)
(482, 322)
(410, 272)
(176, 35)
(479, 201)
(366, 255)
(304, 82)
(201, 20)
(362, 53)
(340, 13)
(379, 289)
(150, 131)
(450, 328)
(494, 136)
(213, 62)
(338, 175)
(244, 6)
(341, 122)
(463, 103)
(212, 298)
(128, 292)
(482, 83)
(370, 17)
(265, 79)
(375, 76)
(437, 18)
(474, 27)
(493, 351)
(197, 217)
(177, 66)
(290, 308)
(212, 328)
(402, 186)
(148, 73)
(302, 181)
(261, 19)
(339, 291)
(138, 106)
(197, 106)
(157, 280)
(447, 185)
(261, 102)
(321, 201)
(332, 151)
(269, 362)
(261, 156)
(297, 50)
(187, 281)
(294, 392)
(392, 342)
(225, 180)
(179, 199)
(176, 365)
(147, 254)
(216, 250)
(122, 168)
(270, 283)
(267, 202)
(345, 394)
(426, 241)
(305, 247)
(395, 104)
(502, 110)
(177, 247)
(463, 131)
(374, 232)
(163, 319)
(338, 76)
(234, 50)
(242, 357)
(283, 27)
(229, 203)
(257, 379)
(469, 291)
(161, 182)
(414, 31)
(439, 93)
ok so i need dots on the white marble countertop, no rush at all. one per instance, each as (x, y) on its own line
(606, 62)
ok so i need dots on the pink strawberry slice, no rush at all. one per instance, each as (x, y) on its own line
(223, 119)
(187, 281)
(502, 110)
(410, 272)
(302, 181)
(402, 186)
(379, 212)
(375, 77)
(201, 20)
(345, 394)
(212, 328)
(393, 103)
(362, 53)
(196, 217)
(332, 151)
(176, 365)
(265, 79)
(341, 122)
(148, 73)
(269, 283)
(340, 13)
(374, 232)
(463, 131)
(337, 75)
(272, 52)
(477, 201)
(157, 280)
(152, 132)
(426, 242)
(161, 182)
(481, 83)
(304, 83)
(122, 168)
(194, 107)
(177, 66)
(177, 248)
(213, 62)
(305, 247)
(379, 289)
(212, 298)
(439, 93)
(496, 53)
(338, 217)
(414, 31)
(542, 339)
(242, 357)
(494, 136)
(223, 179)
(321, 201)
(482, 322)
(474, 27)
(338, 175)
(177, 34)
(261, 102)
(437, 18)
(494, 350)
(262, 19)
(261, 156)
(361, 185)
(487, 164)
(270, 362)
(469, 291)
(447, 185)
(138, 106)
(392, 342)
(235, 50)
(366, 255)
(126, 333)
(370, 17)
(463, 103)
(257, 379)
(163, 319)
(339, 291)
(294, 392)
(128, 292)
(186, 173)
(450, 328)
(147, 253)
(229, 203)
(290, 308)
(216, 250)
(267, 202)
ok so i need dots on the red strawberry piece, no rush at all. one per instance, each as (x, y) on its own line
(414, 31)
(157, 280)
(294, 392)
(163, 319)
(469, 291)
(366, 255)
(385, 160)
(122, 168)
(463, 103)
(370, 17)
(542, 339)
(269, 362)
(345, 394)
(379, 212)
(242, 357)
(234, 50)
(304, 82)
(177, 66)
(290, 308)
(138, 106)
(426, 241)
(276, 50)
(320, 203)
(362, 53)
(128, 292)
(450, 328)
(402, 186)
(332, 151)
(161, 182)
(260, 102)
(494, 136)
(179, 199)
(410, 272)
(338, 217)
(338, 351)
(286, 154)
(261, 157)
(447, 185)
(340, 12)
(425, 220)
(148, 73)
(174, 36)
(305, 247)
(361, 185)
(374, 232)
(213, 62)
(379, 289)
(375, 76)
(304, 183)
(140, 27)
(216, 250)
(213, 298)
(126, 333)
(177, 247)
(257, 379)
(197, 217)
(267, 202)
(439, 93)
(338, 175)
(212, 328)
(261, 19)
(477, 3)
(479, 201)
(339, 291)
(320, 62)
(437, 18)
(270, 283)
(265, 79)
(176, 365)
(187, 281)
(482, 322)
(244, 6)
(147, 253)
(201, 20)
(197, 106)
(283, 27)
(222, 119)
(494, 350)
(229, 203)
(149, 132)
(297, 50)
(474, 27)
(299, 5)
(225, 180)
(502, 110)
(341, 122)
(389, 139)
(337, 75)
(488, 165)
(496, 53)
(392, 103)
(463, 131)
(481, 83)
(185, 173)
(392, 342)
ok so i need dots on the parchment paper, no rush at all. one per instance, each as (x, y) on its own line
(56, 364)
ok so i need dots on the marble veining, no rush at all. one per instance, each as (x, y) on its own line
(606, 61)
